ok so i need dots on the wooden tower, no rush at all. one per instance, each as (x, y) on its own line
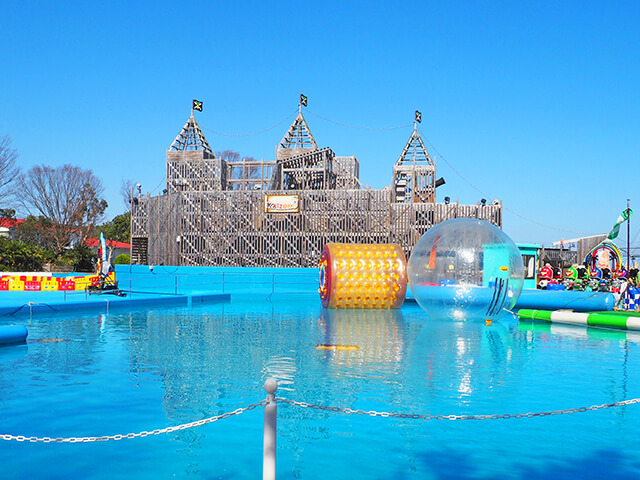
(300, 164)
(414, 173)
(191, 164)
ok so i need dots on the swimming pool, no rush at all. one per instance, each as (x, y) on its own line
(120, 373)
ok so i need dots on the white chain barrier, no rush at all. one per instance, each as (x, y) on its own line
(373, 413)
(105, 438)
(370, 413)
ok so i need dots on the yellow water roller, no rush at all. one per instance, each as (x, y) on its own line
(354, 275)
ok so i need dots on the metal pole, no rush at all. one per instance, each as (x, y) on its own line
(628, 234)
(130, 228)
(270, 420)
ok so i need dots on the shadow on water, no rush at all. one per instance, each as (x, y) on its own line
(606, 463)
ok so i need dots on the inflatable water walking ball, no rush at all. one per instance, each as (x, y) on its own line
(465, 269)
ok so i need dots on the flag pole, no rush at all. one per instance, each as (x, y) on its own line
(629, 235)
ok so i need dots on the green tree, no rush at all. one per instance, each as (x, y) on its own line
(16, 256)
(7, 217)
(122, 259)
(36, 231)
(80, 257)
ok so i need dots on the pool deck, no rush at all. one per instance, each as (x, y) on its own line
(31, 303)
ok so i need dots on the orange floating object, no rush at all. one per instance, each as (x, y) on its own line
(324, 346)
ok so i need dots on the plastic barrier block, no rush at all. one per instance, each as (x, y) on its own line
(16, 285)
(67, 285)
(49, 285)
(31, 285)
(4, 284)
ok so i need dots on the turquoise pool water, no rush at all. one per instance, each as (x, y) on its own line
(138, 371)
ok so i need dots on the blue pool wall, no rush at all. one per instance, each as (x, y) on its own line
(258, 280)
(189, 280)
(145, 286)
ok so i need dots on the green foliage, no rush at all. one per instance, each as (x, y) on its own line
(7, 217)
(122, 259)
(36, 231)
(35, 245)
(16, 256)
(80, 258)
(118, 229)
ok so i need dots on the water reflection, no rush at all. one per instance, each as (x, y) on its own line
(380, 337)
(580, 332)
(61, 347)
(148, 369)
(10, 353)
(283, 369)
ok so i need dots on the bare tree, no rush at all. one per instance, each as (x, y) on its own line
(126, 190)
(8, 169)
(68, 196)
(228, 155)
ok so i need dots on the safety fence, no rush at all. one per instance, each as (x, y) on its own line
(270, 422)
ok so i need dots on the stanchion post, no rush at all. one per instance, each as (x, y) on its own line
(270, 423)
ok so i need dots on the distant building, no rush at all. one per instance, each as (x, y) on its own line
(116, 248)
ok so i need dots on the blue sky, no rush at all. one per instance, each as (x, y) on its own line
(533, 103)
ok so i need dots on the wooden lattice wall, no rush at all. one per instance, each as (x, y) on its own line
(231, 228)
(214, 211)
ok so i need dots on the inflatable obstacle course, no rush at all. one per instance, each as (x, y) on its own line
(10, 334)
(574, 300)
(619, 320)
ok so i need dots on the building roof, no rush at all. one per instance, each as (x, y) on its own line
(191, 138)
(10, 222)
(94, 242)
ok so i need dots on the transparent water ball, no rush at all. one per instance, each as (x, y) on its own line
(464, 269)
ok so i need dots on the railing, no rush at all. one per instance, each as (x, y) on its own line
(270, 404)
